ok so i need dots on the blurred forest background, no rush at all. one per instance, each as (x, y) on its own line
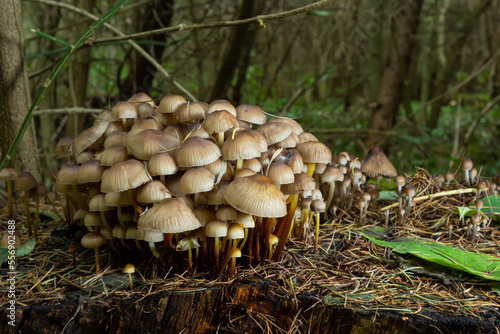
(419, 78)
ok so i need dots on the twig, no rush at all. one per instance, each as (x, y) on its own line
(474, 124)
(259, 19)
(140, 50)
(440, 194)
(75, 110)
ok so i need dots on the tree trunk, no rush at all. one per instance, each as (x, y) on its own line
(152, 15)
(14, 89)
(241, 36)
(404, 28)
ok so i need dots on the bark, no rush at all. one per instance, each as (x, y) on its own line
(235, 308)
(14, 89)
(404, 28)
(152, 15)
(240, 43)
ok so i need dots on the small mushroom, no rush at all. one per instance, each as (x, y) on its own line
(129, 269)
(94, 240)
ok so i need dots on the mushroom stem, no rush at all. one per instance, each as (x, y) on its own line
(239, 165)
(216, 252)
(289, 217)
(130, 280)
(103, 219)
(168, 240)
(136, 205)
(27, 209)
(316, 236)
(329, 199)
(244, 239)
(227, 257)
(220, 138)
(9, 194)
(120, 219)
(124, 123)
(68, 209)
(310, 168)
(190, 257)
(154, 250)
(97, 267)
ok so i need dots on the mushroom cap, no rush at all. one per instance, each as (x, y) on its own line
(63, 147)
(152, 192)
(376, 163)
(245, 220)
(226, 212)
(467, 163)
(116, 138)
(221, 105)
(92, 219)
(147, 124)
(8, 174)
(280, 173)
(204, 215)
(25, 181)
(253, 164)
(162, 164)
(112, 155)
(318, 206)
(144, 143)
(67, 173)
(331, 174)
(145, 110)
(314, 152)
(261, 196)
(235, 231)
(251, 113)
(216, 229)
(189, 112)
(289, 142)
(241, 146)
(196, 180)
(220, 121)
(303, 182)
(196, 151)
(169, 216)
(124, 175)
(93, 240)
(141, 97)
(123, 110)
(259, 137)
(150, 236)
(170, 103)
(113, 127)
(306, 136)
(274, 131)
(129, 268)
(296, 127)
(98, 203)
(216, 195)
(89, 171)
(88, 137)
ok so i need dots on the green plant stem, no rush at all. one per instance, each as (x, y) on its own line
(55, 72)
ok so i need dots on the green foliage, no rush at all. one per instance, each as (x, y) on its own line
(25, 249)
(478, 264)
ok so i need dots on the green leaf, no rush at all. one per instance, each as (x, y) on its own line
(478, 264)
(387, 195)
(464, 211)
(491, 206)
(49, 215)
(25, 249)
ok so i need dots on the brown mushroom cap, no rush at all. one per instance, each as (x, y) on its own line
(189, 112)
(221, 105)
(169, 216)
(98, 203)
(376, 163)
(262, 198)
(314, 152)
(147, 123)
(216, 229)
(139, 98)
(116, 138)
(63, 147)
(144, 143)
(170, 103)
(242, 146)
(251, 113)
(112, 155)
(196, 180)
(93, 240)
(274, 132)
(88, 137)
(162, 164)
(124, 175)
(195, 152)
(220, 121)
(89, 171)
(8, 174)
(123, 110)
(303, 182)
(296, 128)
(280, 173)
(153, 192)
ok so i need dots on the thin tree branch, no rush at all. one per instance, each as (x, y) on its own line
(259, 19)
(75, 110)
(474, 124)
(121, 34)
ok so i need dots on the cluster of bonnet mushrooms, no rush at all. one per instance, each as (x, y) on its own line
(205, 184)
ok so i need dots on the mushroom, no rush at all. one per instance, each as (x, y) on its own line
(317, 207)
(129, 269)
(94, 240)
(25, 181)
(72, 251)
(466, 167)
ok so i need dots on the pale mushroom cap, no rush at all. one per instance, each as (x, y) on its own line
(152, 192)
(220, 121)
(89, 171)
(306, 136)
(296, 127)
(150, 236)
(251, 113)
(169, 216)
(216, 195)
(63, 147)
(170, 103)
(303, 182)
(274, 132)
(253, 164)
(162, 164)
(116, 138)
(129, 268)
(221, 105)
(226, 212)
(195, 152)
(314, 152)
(8, 174)
(141, 97)
(144, 143)
(318, 206)
(331, 174)
(261, 197)
(196, 180)
(92, 219)
(112, 155)
(189, 112)
(119, 232)
(245, 220)
(113, 127)
(280, 173)
(243, 146)
(123, 110)
(216, 228)
(235, 231)
(204, 215)
(88, 137)
(98, 203)
(147, 124)
(67, 173)
(124, 175)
